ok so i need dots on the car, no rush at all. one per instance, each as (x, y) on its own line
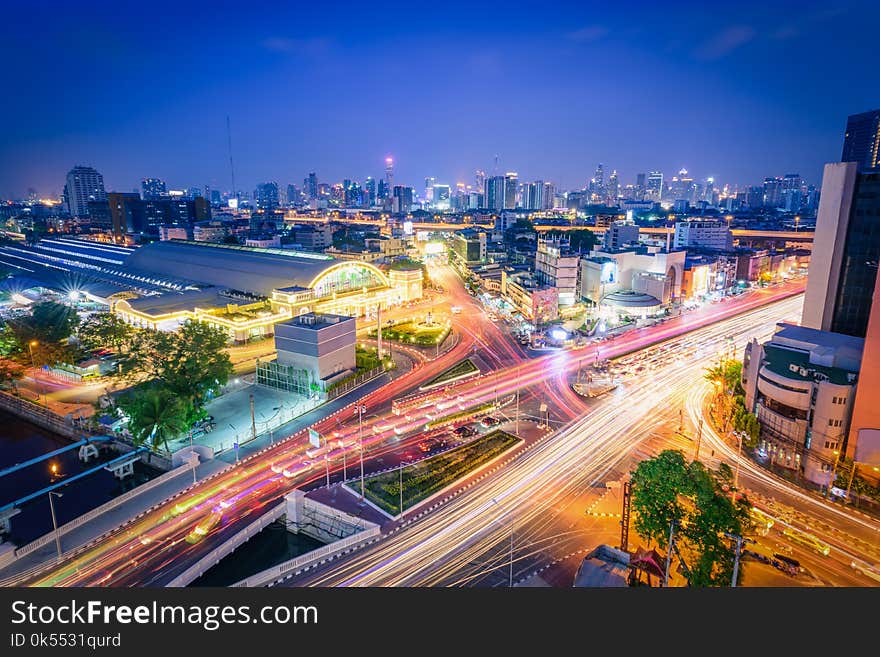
(490, 421)
(428, 445)
(463, 431)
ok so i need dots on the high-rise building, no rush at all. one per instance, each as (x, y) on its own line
(863, 445)
(700, 233)
(292, 195)
(311, 185)
(266, 196)
(480, 181)
(792, 192)
(402, 199)
(370, 188)
(494, 194)
(641, 186)
(861, 143)
(389, 173)
(429, 190)
(84, 184)
(383, 192)
(556, 267)
(153, 188)
(441, 197)
(612, 191)
(510, 185)
(754, 197)
(127, 213)
(654, 190)
(846, 250)
(773, 192)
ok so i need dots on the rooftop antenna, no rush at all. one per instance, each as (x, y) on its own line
(231, 166)
(495, 171)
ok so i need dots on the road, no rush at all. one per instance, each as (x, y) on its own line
(451, 545)
(154, 549)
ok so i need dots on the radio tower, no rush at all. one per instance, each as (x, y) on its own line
(231, 166)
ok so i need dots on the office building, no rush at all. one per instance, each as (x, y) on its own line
(556, 267)
(402, 199)
(266, 196)
(440, 195)
(83, 184)
(494, 193)
(314, 351)
(153, 188)
(389, 173)
(510, 185)
(469, 246)
(863, 445)
(311, 185)
(654, 189)
(127, 214)
(861, 143)
(846, 250)
(619, 235)
(703, 234)
(801, 385)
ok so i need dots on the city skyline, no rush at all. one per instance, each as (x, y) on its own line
(442, 98)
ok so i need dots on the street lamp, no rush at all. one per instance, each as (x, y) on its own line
(833, 473)
(55, 522)
(739, 435)
(360, 410)
(31, 345)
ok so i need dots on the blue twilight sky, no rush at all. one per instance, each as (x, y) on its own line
(735, 90)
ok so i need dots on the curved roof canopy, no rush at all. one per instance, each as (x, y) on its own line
(258, 271)
(629, 299)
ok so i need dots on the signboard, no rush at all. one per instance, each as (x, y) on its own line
(314, 438)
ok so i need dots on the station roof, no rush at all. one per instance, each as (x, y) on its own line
(248, 269)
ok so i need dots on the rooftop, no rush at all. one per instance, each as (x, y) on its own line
(789, 363)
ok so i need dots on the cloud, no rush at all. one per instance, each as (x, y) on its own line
(725, 42)
(588, 34)
(285, 45)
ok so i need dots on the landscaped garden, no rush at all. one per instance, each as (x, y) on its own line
(423, 479)
(424, 334)
(460, 370)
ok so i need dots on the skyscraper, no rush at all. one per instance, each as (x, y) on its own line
(389, 173)
(153, 188)
(654, 190)
(846, 250)
(494, 194)
(510, 184)
(266, 196)
(429, 190)
(641, 186)
(292, 195)
(311, 185)
(773, 192)
(370, 187)
(440, 194)
(402, 199)
(84, 184)
(861, 143)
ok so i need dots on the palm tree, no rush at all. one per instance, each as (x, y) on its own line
(156, 416)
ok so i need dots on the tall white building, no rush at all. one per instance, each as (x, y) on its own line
(84, 184)
(556, 268)
(703, 234)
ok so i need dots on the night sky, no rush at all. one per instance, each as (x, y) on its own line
(736, 90)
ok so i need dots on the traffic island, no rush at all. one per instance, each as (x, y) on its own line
(430, 476)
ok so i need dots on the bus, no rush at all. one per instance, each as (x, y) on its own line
(807, 540)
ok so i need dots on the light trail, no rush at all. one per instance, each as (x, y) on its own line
(446, 543)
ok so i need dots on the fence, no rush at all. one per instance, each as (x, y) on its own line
(39, 415)
(351, 384)
(215, 555)
(270, 575)
(97, 511)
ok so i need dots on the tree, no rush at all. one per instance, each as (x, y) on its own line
(48, 322)
(191, 363)
(156, 415)
(106, 330)
(665, 489)
(582, 240)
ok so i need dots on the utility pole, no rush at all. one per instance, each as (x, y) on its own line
(699, 438)
(739, 435)
(669, 552)
(852, 475)
(737, 554)
(253, 421)
(191, 453)
(833, 473)
(624, 516)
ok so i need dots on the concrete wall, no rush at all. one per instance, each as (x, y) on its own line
(321, 522)
(838, 183)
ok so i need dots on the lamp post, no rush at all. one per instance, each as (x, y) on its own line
(191, 452)
(31, 345)
(360, 410)
(55, 521)
(833, 473)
